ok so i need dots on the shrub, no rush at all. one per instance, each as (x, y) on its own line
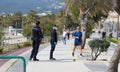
(114, 40)
(27, 44)
(1, 34)
(1, 50)
(21, 45)
(8, 48)
(98, 46)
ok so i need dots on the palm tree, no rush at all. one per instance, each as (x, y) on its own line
(29, 20)
(6, 20)
(17, 19)
(116, 5)
(113, 65)
(32, 17)
(100, 10)
(81, 10)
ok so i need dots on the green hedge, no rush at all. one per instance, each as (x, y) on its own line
(8, 48)
(114, 40)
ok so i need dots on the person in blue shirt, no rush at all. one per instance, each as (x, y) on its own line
(78, 41)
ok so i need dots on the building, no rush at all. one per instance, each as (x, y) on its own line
(110, 25)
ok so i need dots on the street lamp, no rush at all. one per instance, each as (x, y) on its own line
(118, 28)
(16, 28)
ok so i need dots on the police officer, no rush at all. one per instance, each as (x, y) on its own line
(53, 41)
(37, 36)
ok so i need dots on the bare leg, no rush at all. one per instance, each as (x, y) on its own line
(80, 47)
(73, 50)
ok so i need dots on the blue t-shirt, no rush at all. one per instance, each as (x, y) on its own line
(78, 35)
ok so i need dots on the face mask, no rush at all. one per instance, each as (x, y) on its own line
(55, 28)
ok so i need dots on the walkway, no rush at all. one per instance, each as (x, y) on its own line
(64, 62)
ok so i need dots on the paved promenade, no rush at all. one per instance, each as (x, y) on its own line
(64, 60)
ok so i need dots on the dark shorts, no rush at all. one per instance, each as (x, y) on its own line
(77, 43)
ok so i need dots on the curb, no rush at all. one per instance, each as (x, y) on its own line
(9, 63)
(113, 43)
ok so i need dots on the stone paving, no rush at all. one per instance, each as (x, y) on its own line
(64, 60)
(63, 63)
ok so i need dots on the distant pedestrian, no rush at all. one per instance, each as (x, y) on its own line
(99, 32)
(110, 35)
(68, 34)
(78, 41)
(103, 35)
(37, 36)
(64, 36)
(53, 41)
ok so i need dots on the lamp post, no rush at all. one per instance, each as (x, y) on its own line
(16, 28)
(118, 28)
(22, 22)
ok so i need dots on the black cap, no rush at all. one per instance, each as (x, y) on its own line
(37, 22)
(54, 25)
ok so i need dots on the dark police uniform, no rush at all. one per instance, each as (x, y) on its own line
(53, 42)
(36, 40)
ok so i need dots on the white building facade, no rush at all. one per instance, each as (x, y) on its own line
(110, 25)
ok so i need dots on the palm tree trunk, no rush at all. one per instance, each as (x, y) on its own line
(113, 65)
(116, 5)
(83, 23)
(83, 30)
(67, 7)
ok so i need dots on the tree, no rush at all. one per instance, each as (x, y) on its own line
(113, 65)
(1, 34)
(98, 46)
(46, 24)
(17, 20)
(29, 22)
(67, 7)
(83, 23)
(116, 5)
(6, 20)
(102, 7)
(32, 17)
(85, 12)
